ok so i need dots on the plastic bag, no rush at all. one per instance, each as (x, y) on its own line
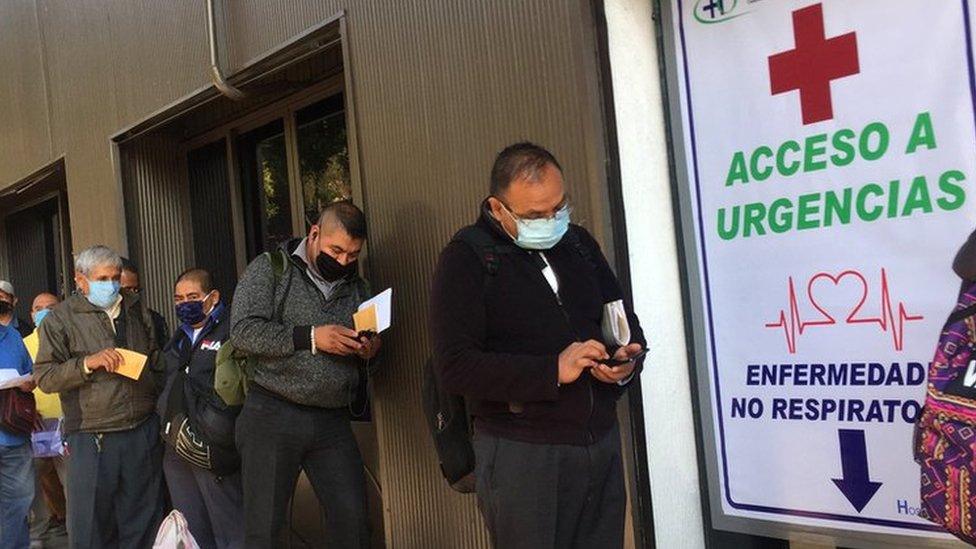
(174, 533)
(46, 442)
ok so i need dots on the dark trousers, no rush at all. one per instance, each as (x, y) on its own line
(52, 475)
(213, 507)
(538, 496)
(115, 487)
(277, 440)
(49, 509)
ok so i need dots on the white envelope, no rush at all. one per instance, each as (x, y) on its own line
(384, 307)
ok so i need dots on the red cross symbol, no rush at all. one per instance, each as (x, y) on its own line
(813, 63)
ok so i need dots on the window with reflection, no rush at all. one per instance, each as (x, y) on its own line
(323, 155)
(265, 190)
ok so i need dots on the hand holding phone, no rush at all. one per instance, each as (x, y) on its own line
(614, 362)
(616, 370)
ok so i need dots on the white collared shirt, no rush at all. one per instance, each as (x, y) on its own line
(114, 311)
(550, 274)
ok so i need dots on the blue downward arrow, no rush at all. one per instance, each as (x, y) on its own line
(856, 484)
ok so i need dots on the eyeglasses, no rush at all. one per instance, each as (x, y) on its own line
(564, 206)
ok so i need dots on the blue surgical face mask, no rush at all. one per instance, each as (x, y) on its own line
(39, 316)
(541, 234)
(103, 293)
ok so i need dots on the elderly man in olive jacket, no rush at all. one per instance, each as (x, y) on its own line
(115, 470)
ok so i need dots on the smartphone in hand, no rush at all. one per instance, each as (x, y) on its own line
(614, 362)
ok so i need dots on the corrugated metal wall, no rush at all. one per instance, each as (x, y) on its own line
(439, 87)
(210, 208)
(157, 218)
(29, 273)
(108, 63)
(471, 78)
(25, 142)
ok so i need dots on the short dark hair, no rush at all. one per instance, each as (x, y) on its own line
(517, 161)
(129, 265)
(198, 275)
(347, 215)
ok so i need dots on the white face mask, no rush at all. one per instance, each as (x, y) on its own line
(540, 234)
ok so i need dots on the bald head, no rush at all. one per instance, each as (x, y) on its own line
(44, 300)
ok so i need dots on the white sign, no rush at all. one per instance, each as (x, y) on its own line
(831, 154)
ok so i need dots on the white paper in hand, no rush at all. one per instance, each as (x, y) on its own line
(384, 306)
(616, 329)
(10, 378)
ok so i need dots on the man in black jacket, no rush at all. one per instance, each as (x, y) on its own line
(131, 281)
(212, 504)
(516, 329)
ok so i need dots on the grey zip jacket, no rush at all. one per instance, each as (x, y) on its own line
(285, 364)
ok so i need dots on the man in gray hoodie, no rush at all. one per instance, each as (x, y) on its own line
(294, 313)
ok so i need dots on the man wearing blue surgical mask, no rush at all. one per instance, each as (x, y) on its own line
(516, 324)
(48, 509)
(110, 423)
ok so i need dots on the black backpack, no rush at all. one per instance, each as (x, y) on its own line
(447, 414)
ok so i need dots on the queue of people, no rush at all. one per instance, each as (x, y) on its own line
(525, 344)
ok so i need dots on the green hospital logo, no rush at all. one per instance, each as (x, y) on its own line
(716, 11)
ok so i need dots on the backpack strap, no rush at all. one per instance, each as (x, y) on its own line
(573, 239)
(279, 264)
(485, 246)
(961, 314)
(176, 400)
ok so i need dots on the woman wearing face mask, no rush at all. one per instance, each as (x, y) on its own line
(201, 463)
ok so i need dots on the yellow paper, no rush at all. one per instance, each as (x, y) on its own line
(365, 320)
(133, 365)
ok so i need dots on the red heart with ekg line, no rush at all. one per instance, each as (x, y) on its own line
(842, 299)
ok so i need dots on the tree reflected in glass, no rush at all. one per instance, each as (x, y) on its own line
(323, 155)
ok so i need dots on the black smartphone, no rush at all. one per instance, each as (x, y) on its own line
(613, 363)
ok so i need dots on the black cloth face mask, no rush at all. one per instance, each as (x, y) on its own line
(331, 270)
